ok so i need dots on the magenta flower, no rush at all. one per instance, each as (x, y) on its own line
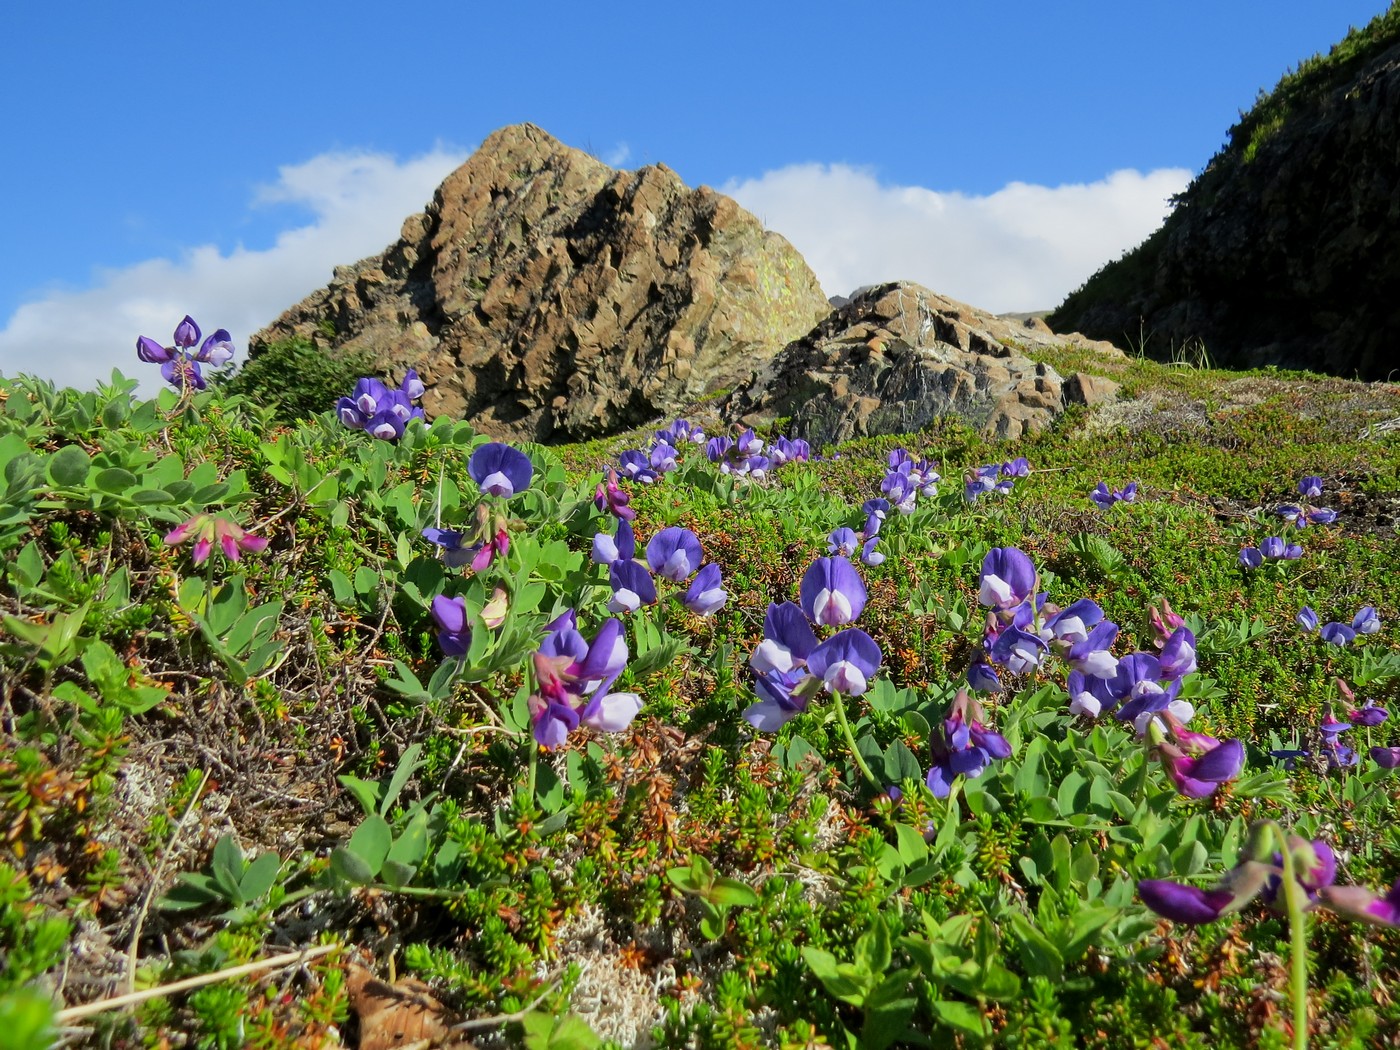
(206, 530)
(1185, 904)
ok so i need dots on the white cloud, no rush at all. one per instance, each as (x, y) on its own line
(620, 155)
(358, 202)
(1023, 247)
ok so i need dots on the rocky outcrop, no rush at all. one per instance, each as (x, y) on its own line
(897, 356)
(1286, 249)
(546, 296)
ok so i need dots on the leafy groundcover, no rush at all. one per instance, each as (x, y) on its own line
(370, 731)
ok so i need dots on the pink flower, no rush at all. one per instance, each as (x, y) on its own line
(207, 530)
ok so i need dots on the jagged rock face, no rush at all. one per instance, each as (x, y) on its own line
(1286, 250)
(897, 356)
(546, 296)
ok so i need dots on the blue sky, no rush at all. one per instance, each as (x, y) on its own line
(223, 158)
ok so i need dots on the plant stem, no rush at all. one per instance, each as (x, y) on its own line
(1296, 901)
(851, 741)
(534, 764)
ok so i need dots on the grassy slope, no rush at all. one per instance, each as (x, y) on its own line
(572, 881)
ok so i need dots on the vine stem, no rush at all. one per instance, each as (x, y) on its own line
(1295, 899)
(851, 741)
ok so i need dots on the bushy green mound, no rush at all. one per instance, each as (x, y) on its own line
(1278, 252)
(249, 709)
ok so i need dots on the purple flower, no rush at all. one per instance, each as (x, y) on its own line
(1321, 516)
(620, 547)
(1251, 558)
(1090, 695)
(868, 554)
(663, 457)
(1102, 497)
(787, 640)
(1310, 487)
(1306, 618)
(832, 592)
(842, 541)
(1017, 650)
(455, 552)
(1338, 634)
(179, 365)
(454, 634)
(379, 411)
(573, 679)
(982, 678)
(1185, 904)
(965, 746)
(783, 695)
(1368, 714)
(705, 594)
(632, 586)
(500, 470)
(846, 661)
(1091, 656)
(674, 554)
(1178, 656)
(1017, 468)
(1386, 757)
(636, 465)
(1200, 776)
(1008, 578)
(1366, 621)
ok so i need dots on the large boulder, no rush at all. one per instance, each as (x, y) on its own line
(546, 296)
(895, 357)
(1286, 249)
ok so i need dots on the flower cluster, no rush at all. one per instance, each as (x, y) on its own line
(179, 363)
(1271, 549)
(994, 477)
(1260, 873)
(908, 479)
(572, 681)
(1329, 733)
(1104, 497)
(379, 411)
(746, 455)
(674, 554)
(1302, 514)
(500, 471)
(791, 666)
(1366, 621)
(965, 746)
(207, 530)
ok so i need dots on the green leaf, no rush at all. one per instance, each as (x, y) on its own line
(371, 842)
(114, 480)
(259, 877)
(686, 880)
(409, 763)
(366, 792)
(350, 867)
(149, 497)
(731, 893)
(226, 867)
(901, 763)
(873, 951)
(962, 1017)
(69, 466)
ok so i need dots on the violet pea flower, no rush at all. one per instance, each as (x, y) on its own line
(1017, 650)
(1368, 714)
(674, 554)
(1089, 695)
(663, 457)
(612, 499)
(1092, 656)
(1190, 905)
(455, 553)
(1366, 621)
(1008, 578)
(1338, 634)
(636, 465)
(1017, 468)
(1306, 618)
(620, 547)
(499, 469)
(705, 595)
(842, 541)
(1310, 487)
(1102, 497)
(1251, 558)
(632, 586)
(982, 678)
(1321, 516)
(783, 695)
(1201, 776)
(454, 635)
(1272, 547)
(1386, 757)
(832, 592)
(787, 640)
(965, 746)
(1178, 655)
(868, 554)
(846, 661)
